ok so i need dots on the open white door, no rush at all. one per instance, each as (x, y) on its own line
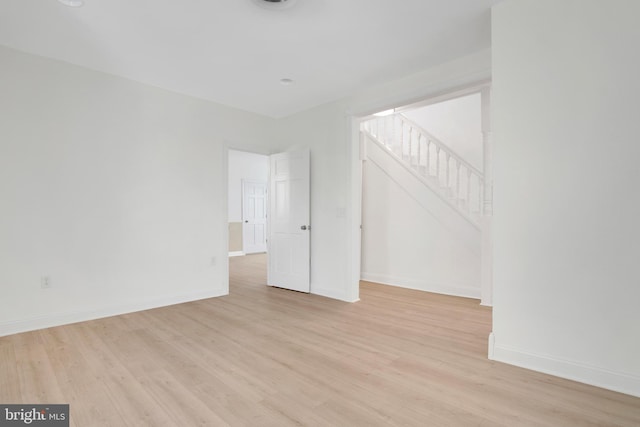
(289, 226)
(254, 216)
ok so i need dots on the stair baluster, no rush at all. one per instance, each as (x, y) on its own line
(468, 191)
(438, 165)
(448, 179)
(404, 140)
(457, 195)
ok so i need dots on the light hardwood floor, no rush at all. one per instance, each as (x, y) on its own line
(269, 357)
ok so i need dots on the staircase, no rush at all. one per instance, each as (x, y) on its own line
(445, 172)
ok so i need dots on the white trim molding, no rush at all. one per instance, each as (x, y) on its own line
(65, 318)
(571, 370)
(458, 290)
(236, 253)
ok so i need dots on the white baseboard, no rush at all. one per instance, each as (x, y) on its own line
(58, 319)
(571, 370)
(438, 288)
(236, 253)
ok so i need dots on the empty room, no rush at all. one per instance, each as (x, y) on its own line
(267, 213)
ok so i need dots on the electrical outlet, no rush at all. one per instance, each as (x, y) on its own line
(45, 282)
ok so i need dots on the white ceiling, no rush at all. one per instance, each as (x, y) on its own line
(235, 53)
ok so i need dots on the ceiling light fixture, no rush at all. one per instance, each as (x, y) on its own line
(72, 3)
(275, 4)
(286, 82)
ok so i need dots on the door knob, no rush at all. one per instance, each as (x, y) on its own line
(303, 227)
(246, 221)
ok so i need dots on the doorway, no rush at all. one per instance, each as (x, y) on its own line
(248, 174)
(247, 178)
(269, 211)
(408, 223)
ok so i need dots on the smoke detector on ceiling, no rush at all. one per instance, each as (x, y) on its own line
(275, 4)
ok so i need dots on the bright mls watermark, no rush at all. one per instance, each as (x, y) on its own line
(34, 415)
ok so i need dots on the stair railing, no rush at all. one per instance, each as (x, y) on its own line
(442, 168)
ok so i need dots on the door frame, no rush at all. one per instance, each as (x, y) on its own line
(357, 155)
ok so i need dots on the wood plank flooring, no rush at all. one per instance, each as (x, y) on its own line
(269, 357)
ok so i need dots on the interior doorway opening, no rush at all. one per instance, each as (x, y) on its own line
(247, 180)
(425, 188)
(269, 217)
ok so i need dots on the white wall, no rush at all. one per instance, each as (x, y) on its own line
(411, 237)
(566, 201)
(114, 189)
(335, 171)
(244, 165)
(457, 123)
